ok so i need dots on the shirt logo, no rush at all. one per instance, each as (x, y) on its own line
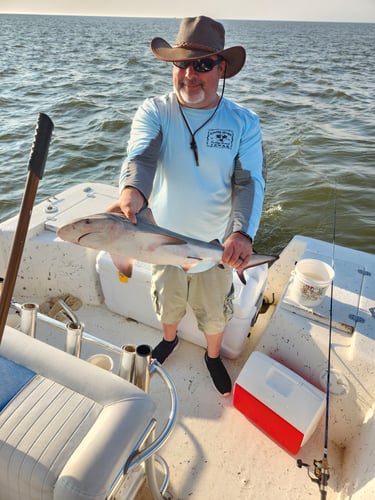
(220, 138)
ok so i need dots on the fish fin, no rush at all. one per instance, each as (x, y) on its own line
(146, 215)
(124, 265)
(173, 240)
(187, 267)
(157, 240)
(176, 240)
(241, 276)
(217, 243)
(256, 260)
(259, 259)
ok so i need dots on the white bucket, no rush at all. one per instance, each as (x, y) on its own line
(311, 279)
(102, 360)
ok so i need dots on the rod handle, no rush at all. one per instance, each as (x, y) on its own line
(40, 146)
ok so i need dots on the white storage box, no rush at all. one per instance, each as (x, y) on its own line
(131, 298)
(280, 402)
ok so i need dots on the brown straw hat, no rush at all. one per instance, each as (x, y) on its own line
(200, 37)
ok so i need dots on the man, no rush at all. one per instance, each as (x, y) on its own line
(196, 159)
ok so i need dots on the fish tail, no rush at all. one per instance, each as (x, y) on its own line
(241, 276)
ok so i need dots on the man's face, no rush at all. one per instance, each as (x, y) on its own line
(196, 89)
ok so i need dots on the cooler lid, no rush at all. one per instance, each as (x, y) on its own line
(282, 390)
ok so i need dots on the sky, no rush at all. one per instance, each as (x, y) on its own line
(294, 10)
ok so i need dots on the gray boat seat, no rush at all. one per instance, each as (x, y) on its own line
(66, 427)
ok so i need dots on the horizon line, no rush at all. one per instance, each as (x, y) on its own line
(176, 17)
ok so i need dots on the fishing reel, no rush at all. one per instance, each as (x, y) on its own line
(320, 474)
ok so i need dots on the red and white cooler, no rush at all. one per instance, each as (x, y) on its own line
(277, 400)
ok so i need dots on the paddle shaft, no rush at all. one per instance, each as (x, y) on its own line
(37, 160)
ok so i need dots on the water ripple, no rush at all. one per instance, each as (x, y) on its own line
(312, 85)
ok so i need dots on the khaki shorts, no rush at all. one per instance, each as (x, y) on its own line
(209, 294)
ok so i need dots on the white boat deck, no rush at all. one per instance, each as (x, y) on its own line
(215, 452)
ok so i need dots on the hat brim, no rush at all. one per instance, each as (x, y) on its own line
(234, 56)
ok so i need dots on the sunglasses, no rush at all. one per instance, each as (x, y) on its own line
(199, 65)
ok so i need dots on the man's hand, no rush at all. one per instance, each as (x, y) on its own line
(129, 203)
(237, 251)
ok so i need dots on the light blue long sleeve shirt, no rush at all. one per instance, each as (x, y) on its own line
(210, 201)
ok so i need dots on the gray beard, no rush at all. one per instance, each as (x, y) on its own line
(199, 97)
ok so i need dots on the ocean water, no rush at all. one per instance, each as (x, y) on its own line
(312, 84)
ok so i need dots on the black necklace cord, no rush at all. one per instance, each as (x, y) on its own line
(193, 142)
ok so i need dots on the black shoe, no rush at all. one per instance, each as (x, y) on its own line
(219, 375)
(164, 349)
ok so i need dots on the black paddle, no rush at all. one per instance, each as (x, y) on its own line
(37, 161)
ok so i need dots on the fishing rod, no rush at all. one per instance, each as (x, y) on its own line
(321, 467)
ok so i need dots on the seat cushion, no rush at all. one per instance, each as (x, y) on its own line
(39, 430)
(67, 433)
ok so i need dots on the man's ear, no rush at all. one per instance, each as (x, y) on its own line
(223, 67)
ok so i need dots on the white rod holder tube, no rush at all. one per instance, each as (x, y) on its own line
(142, 367)
(29, 312)
(127, 361)
(73, 340)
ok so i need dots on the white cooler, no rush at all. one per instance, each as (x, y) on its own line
(280, 402)
(131, 298)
